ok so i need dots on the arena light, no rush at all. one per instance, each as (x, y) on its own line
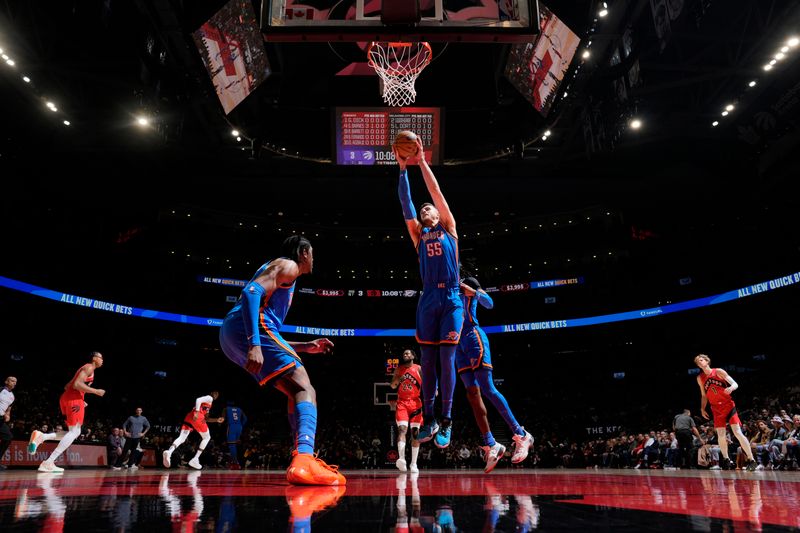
(773, 62)
(26, 79)
(636, 124)
(235, 133)
(793, 41)
(238, 139)
(729, 107)
(142, 121)
(586, 54)
(779, 56)
(602, 13)
(784, 49)
(767, 67)
(715, 123)
(10, 62)
(724, 113)
(66, 122)
(5, 57)
(752, 83)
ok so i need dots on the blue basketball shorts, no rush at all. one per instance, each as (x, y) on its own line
(279, 357)
(440, 315)
(473, 351)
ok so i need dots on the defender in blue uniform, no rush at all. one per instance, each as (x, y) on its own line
(439, 311)
(474, 364)
(250, 337)
(236, 420)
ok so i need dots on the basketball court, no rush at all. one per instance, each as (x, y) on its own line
(506, 500)
(389, 46)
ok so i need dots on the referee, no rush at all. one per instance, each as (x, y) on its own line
(6, 399)
(684, 427)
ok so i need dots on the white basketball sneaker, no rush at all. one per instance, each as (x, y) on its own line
(493, 455)
(50, 467)
(522, 443)
(401, 464)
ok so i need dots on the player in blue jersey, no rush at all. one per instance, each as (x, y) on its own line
(250, 337)
(474, 364)
(439, 311)
(236, 421)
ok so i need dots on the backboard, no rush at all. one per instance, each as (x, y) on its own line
(360, 20)
(383, 394)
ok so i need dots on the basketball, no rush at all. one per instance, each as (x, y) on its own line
(406, 144)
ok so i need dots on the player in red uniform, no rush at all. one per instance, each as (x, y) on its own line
(73, 407)
(196, 420)
(407, 380)
(716, 387)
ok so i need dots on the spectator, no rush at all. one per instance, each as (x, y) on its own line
(135, 427)
(115, 444)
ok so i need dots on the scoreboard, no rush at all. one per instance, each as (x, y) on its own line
(364, 135)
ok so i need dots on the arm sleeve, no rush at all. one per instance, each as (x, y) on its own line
(404, 192)
(484, 299)
(252, 295)
(732, 382)
(201, 400)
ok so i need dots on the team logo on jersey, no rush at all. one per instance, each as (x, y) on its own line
(453, 336)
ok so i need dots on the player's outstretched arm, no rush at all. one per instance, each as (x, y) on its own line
(315, 346)
(447, 219)
(484, 299)
(404, 193)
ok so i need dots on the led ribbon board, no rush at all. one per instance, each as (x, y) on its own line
(736, 294)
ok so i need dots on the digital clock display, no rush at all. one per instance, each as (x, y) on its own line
(364, 136)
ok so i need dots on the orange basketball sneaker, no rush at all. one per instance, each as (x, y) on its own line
(306, 469)
(305, 501)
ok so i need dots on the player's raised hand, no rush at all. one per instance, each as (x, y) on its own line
(255, 359)
(401, 161)
(320, 346)
(420, 153)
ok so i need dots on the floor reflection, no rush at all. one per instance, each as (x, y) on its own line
(223, 501)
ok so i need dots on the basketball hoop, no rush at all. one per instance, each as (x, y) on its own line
(398, 65)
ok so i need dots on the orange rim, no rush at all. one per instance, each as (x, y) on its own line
(387, 44)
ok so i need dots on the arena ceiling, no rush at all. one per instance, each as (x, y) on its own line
(103, 63)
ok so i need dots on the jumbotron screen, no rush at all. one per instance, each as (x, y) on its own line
(364, 135)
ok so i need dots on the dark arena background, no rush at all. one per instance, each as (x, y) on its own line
(623, 175)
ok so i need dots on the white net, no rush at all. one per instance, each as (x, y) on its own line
(398, 65)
